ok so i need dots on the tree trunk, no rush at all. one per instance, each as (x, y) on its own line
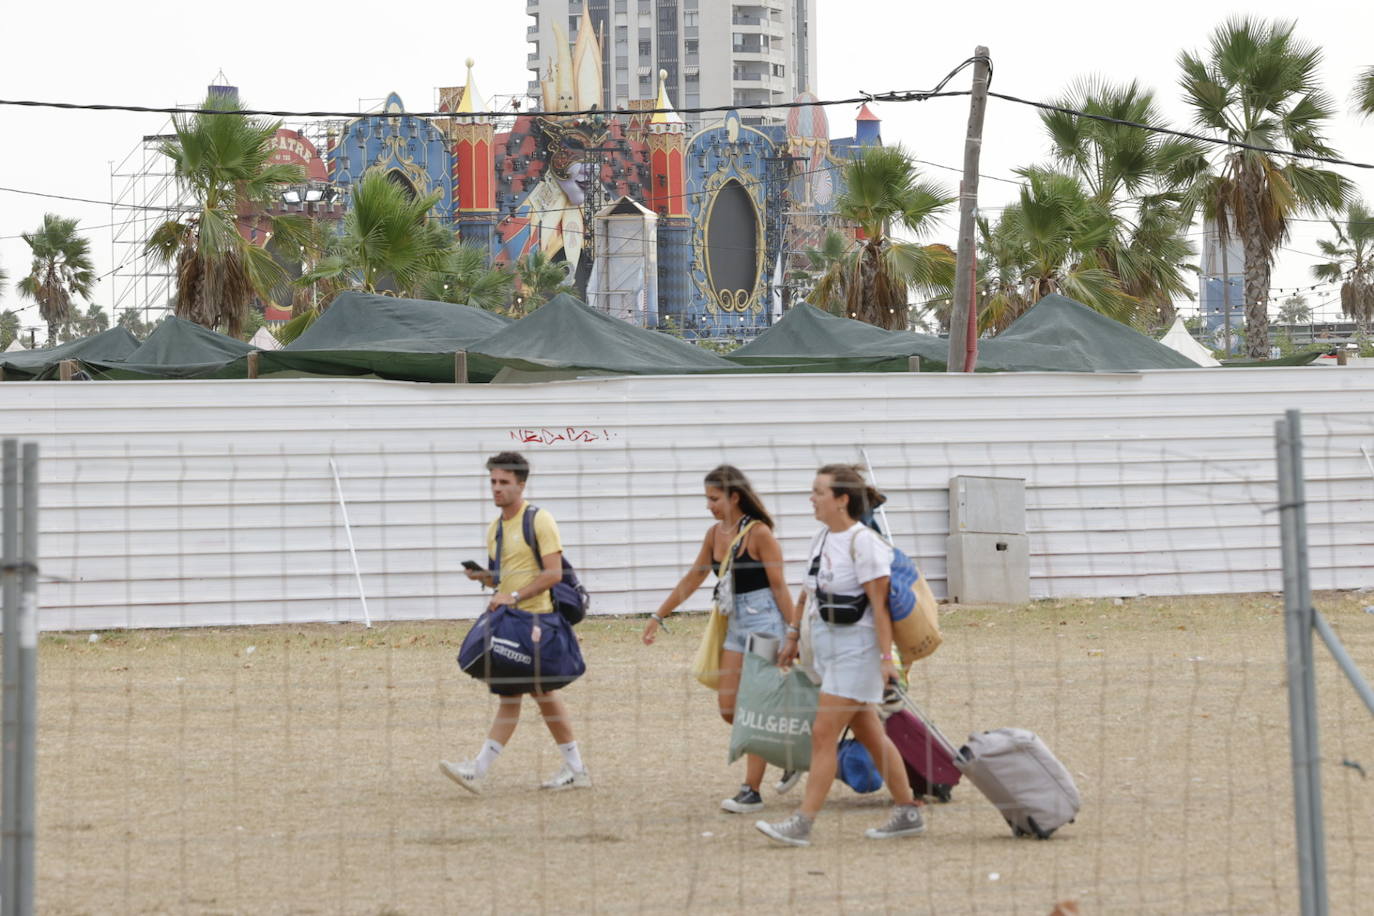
(1257, 269)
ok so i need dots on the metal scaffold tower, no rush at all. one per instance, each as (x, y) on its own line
(143, 194)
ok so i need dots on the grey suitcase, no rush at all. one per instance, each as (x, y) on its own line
(1019, 775)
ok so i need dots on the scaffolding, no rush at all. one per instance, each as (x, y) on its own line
(144, 193)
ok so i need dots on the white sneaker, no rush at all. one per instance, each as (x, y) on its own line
(568, 778)
(788, 779)
(465, 774)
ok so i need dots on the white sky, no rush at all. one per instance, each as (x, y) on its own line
(328, 56)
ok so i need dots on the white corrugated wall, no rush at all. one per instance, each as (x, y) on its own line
(198, 503)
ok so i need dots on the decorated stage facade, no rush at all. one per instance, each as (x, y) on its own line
(658, 224)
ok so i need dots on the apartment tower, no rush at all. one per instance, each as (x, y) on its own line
(718, 53)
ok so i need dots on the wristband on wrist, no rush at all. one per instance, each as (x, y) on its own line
(887, 657)
(515, 597)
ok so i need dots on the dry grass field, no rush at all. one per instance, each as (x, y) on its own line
(294, 770)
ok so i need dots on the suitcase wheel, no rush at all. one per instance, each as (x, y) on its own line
(1039, 833)
(941, 792)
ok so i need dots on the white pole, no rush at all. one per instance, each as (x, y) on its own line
(881, 512)
(352, 551)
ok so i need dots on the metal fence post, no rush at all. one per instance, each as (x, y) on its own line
(27, 756)
(1302, 698)
(9, 581)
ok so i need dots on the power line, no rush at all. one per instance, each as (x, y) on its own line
(1217, 141)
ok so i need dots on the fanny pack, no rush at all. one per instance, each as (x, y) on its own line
(841, 609)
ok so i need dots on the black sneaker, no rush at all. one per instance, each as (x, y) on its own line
(746, 801)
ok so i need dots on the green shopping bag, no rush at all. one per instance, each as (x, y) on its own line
(774, 711)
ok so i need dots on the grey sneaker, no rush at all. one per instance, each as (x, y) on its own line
(786, 781)
(465, 774)
(905, 820)
(568, 778)
(795, 831)
(746, 801)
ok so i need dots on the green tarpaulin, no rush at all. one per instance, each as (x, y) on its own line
(409, 339)
(1057, 334)
(177, 348)
(567, 335)
(116, 343)
(807, 339)
(1060, 335)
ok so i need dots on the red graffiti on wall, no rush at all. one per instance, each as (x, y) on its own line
(545, 436)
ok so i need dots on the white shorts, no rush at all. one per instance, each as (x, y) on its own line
(847, 660)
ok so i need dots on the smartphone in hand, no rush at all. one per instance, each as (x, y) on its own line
(472, 567)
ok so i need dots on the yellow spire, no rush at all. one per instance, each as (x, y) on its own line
(472, 99)
(666, 118)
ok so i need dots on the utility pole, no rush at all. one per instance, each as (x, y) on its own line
(964, 317)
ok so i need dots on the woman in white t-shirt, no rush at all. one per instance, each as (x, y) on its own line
(851, 638)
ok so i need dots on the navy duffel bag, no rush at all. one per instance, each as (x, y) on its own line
(500, 650)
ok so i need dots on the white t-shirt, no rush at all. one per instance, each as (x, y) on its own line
(844, 570)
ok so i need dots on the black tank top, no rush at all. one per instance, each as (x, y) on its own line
(747, 573)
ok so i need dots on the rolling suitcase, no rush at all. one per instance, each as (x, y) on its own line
(1015, 771)
(1018, 774)
(929, 757)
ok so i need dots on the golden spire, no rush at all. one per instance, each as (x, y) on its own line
(472, 99)
(665, 119)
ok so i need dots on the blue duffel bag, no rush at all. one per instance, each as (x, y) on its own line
(500, 651)
(854, 765)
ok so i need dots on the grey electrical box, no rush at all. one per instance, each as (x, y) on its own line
(987, 551)
(988, 505)
(988, 568)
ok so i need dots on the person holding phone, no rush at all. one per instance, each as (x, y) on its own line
(524, 585)
(754, 594)
(851, 641)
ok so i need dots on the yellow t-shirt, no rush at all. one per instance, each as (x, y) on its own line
(518, 567)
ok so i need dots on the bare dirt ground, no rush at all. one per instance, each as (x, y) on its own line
(294, 770)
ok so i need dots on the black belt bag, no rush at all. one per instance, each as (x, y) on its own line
(841, 609)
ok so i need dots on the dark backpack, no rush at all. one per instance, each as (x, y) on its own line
(570, 599)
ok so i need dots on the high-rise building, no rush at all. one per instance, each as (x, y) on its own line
(716, 52)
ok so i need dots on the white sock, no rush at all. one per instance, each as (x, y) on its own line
(571, 756)
(487, 756)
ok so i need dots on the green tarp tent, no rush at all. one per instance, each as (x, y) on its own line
(807, 339)
(177, 348)
(566, 337)
(1058, 334)
(410, 339)
(116, 343)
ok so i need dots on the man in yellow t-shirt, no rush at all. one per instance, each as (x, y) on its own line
(523, 585)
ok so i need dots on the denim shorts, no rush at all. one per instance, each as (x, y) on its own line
(755, 612)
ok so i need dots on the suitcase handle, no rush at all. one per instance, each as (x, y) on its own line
(955, 753)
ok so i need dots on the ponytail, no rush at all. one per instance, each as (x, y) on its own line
(848, 480)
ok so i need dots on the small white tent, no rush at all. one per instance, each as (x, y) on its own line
(15, 346)
(1180, 340)
(263, 340)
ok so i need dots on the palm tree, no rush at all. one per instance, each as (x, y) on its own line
(466, 278)
(1352, 264)
(388, 242)
(540, 280)
(1050, 241)
(884, 193)
(1258, 85)
(61, 270)
(9, 328)
(224, 162)
(1141, 177)
(1364, 92)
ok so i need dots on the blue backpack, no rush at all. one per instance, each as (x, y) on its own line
(570, 599)
(902, 578)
